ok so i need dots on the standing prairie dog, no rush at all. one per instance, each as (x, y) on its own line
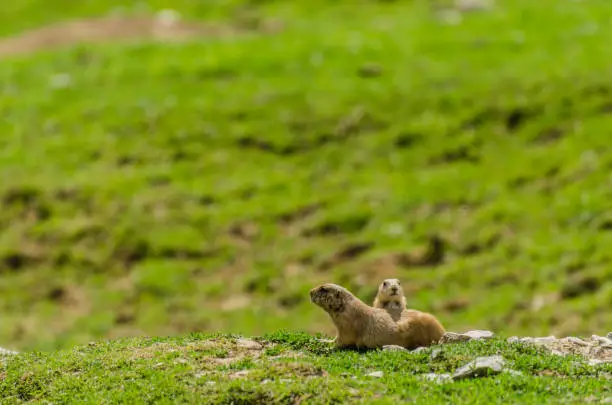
(390, 297)
(362, 326)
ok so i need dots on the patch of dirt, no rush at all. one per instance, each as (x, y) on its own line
(432, 254)
(407, 140)
(347, 225)
(579, 285)
(461, 153)
(548, 136)
(236, 302)
(106, 29)
(299, 214)
(217, 351)
(347, 253)
(355, 123)
(299, 369)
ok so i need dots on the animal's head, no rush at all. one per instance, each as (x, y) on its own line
(390, 287)
(331, 297)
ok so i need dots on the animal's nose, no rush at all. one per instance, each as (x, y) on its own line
(394, 288)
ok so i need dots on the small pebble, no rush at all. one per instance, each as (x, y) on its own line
(480, 367)
(394, 348)
(435, 353)
(438, 378)
(376, 374)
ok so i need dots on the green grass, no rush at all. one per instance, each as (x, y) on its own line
(290, 367)
(207, 185)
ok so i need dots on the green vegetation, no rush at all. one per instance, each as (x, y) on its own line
(205, 185)
(292, 368)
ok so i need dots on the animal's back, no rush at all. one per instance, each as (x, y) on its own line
(419, 329)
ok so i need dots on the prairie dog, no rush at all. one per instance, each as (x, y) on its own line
(390, 297)
(362, 326)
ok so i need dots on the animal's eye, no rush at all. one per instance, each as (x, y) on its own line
(384, 283)
(323, 289)
(398, 283)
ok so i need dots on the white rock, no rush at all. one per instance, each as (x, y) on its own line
(7, 352)
(473, 5)
(376, 374)
(480, 367)
(60, 81)
(168, 17)
(603, 340)
(480, 334)
(435, 353)
(420, 349)
(437, 378)
(515, 373)
(394, 348)
(452, 337)
(609, 335)
(450, 17)
(239, 374)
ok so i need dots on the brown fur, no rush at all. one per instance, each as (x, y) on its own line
(390, 297)
(361, 326)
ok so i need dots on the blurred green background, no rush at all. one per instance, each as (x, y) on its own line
(170, 167)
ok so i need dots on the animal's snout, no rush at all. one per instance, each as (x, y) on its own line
(394, 289)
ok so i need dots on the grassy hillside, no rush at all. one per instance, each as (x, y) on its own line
(291, 369)
(207, 184)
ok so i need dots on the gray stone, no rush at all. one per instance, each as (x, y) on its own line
(558, 352)
(420, 349)
(376, 374)
(538, 341)
(482, 366)
(609, 335)
(394, 348)
(435, 353)
(452, 337)
(604, 341)
(575, 340)
(437, 378)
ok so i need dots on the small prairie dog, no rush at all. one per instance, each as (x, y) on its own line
(390, 297)
(362, 326)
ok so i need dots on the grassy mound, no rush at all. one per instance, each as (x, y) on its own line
(292, 368)
(207, 184)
